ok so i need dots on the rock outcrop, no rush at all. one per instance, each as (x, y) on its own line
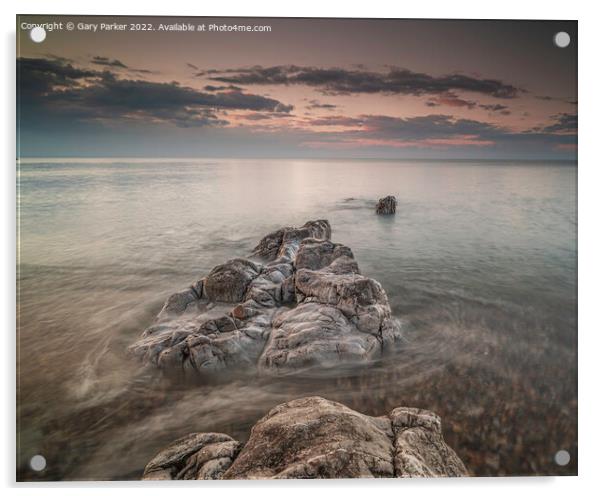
(315, 438)
(196, 456)
(298, 301)
(386, 205)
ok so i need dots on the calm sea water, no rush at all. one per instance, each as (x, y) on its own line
(479, 263)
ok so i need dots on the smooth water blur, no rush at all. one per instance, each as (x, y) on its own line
(479, 263)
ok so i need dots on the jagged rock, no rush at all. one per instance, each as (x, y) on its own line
(316, 254)
(386, 205)
(240, 314)
(196, 456)
(312, 334)
(420, 450)
(229, 282)
(284, 241)
(316, 438)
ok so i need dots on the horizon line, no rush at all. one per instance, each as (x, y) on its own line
(425, 159)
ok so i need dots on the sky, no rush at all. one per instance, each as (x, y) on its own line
(328, 88)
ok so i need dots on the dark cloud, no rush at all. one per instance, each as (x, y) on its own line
(105, 61)
(337, 120)
(496, 107)
(451, 100)
(564, 123)
(55, 93)
(37, 76)
(231, 87)
(118, 64)
(337, 81)
(430, 126)
(433, 130)
(315, 104)
(143, 71)
(192, 66)
(546, 98)
(66, 91)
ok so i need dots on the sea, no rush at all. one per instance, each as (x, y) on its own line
(479, 264)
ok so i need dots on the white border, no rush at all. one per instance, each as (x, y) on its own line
(590, 211)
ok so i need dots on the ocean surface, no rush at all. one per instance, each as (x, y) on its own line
(479, 264)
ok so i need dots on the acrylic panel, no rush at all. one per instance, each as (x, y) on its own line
(263, 248)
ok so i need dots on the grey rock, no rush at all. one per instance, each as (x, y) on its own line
(283, 242)
(316, 254)
(420, 450)
(311, 335)
(228, 282)
(196, 456)
(177, 303)
(301, 303)
(359, 298)
(316, 438)
(386, 205)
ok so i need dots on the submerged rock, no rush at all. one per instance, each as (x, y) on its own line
(316, 438)
(386, 205)
(301, 302)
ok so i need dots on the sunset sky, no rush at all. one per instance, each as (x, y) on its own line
(308, 88)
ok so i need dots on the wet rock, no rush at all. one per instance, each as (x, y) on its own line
(311, 335)
(316, 254)
(177, 303)
(420, 450)
(340, 318)
(301, 303)
(228, 282)
(386, 205)
(316, 438)
(282, 243)
(196, 456)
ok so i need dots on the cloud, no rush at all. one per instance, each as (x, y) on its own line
(546, 98)
(430, 126)
(59, 98)
(338, 81)
(143, 71)
(257, 116)
(315, 104)
(564, 123)
(429, 131)
(37, 76)
(105, 61)
(66, 91)
(451, 100)
(496, 107)
(412, 128)
(117, 64)
(210, 87)
(337, 120)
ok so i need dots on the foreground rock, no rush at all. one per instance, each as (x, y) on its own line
(299, 301)
(315, 438)
(386, 205)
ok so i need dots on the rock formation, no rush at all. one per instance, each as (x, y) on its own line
(386, 205)
(315, 438)
(298, 301)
